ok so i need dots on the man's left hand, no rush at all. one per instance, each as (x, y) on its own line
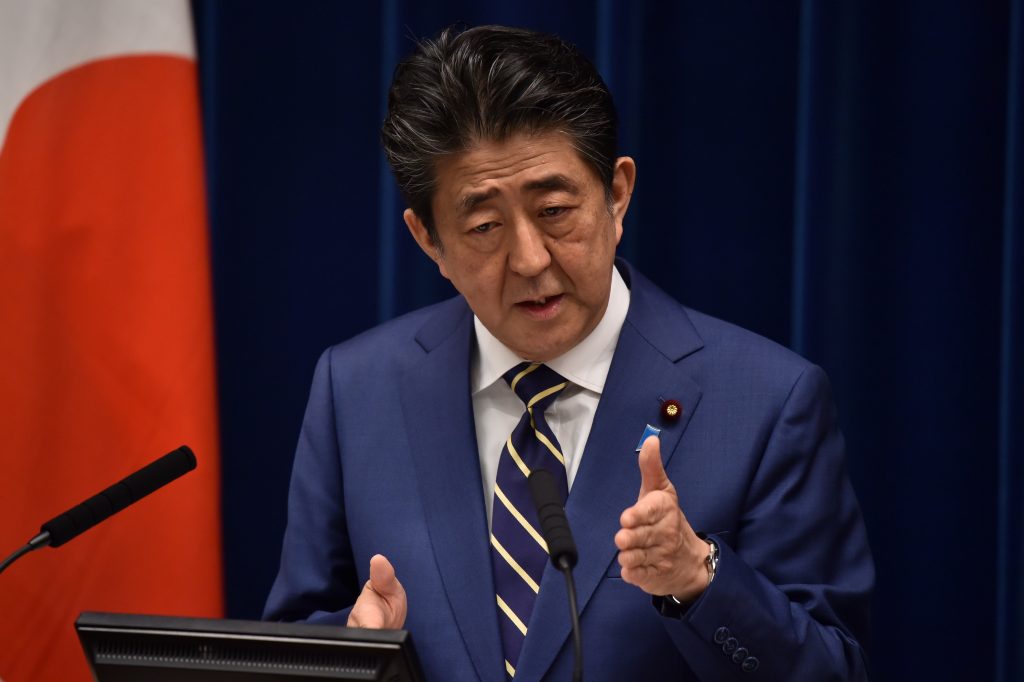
(658, 550)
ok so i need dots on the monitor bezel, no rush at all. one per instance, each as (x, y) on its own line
(91, 625)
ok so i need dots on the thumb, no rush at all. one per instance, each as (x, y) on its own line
(381, 603)
(382, 577)
(652, 473)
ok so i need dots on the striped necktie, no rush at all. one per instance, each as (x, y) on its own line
(518, 552)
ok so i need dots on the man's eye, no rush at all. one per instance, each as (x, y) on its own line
(552, 211)
(486, 227)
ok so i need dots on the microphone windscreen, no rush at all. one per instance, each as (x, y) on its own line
(553, 523)
(127, 491)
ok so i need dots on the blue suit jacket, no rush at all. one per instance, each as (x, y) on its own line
(387, 463)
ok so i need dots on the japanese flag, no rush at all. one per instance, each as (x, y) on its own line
(106, 339)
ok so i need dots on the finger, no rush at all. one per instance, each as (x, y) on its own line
(652, 473)
(637, 575)
(391, 597)
(642, 536)
(382, 577)
(634, 558)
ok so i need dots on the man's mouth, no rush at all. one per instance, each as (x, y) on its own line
(542, 306)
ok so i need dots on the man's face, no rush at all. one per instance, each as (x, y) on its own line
(527, 237)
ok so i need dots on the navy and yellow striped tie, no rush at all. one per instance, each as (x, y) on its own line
(518, 552)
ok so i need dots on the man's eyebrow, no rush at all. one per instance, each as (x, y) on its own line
(470, 201)
(557, 182)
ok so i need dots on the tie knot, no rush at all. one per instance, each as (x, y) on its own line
(536, 385)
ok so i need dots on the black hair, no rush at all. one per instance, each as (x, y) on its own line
(489, 83)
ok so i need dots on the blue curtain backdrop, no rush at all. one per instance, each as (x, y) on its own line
(843, 177)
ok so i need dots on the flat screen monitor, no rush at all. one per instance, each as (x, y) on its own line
(127, 647)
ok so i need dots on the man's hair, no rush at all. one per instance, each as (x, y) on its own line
(489, 83)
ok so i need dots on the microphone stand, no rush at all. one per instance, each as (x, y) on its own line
(41, 540)
(577, 638)
(562, 548)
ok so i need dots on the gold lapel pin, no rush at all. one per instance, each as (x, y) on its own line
(671, 410)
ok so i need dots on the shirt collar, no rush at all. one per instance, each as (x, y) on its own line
(586, 364)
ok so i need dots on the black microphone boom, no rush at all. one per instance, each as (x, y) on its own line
(128, 490)
(554, 526)
(100, 507)
(551, 514)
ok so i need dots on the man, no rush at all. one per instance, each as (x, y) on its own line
(410, 472)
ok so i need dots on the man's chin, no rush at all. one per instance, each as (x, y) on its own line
(548, 349)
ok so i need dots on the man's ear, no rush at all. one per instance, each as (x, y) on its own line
(419, 232)
(623, 180)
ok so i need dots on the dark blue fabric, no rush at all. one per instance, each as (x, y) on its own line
(1010, 541)
(842, 177)
(757, 457)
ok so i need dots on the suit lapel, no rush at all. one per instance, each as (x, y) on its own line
(644, 371)
(438, 412)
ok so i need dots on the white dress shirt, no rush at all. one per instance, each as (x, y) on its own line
(497, 409)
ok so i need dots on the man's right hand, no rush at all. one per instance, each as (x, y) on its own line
(382, 603)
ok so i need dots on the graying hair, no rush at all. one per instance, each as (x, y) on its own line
(489, 83)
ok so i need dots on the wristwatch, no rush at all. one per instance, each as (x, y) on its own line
(669, 606)
(711, 560)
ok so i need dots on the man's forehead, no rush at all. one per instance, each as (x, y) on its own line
(524, 163)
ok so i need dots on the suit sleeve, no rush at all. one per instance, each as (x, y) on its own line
(317, 579)
(790, 598)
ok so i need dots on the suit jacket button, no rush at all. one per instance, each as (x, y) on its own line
(749, 664)
(730, 646)
(740, 655)
(721, 634)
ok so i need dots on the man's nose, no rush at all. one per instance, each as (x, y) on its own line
(528, 254)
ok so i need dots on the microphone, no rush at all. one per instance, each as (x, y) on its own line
(553, 523)
(98, 508)
(554, 526)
